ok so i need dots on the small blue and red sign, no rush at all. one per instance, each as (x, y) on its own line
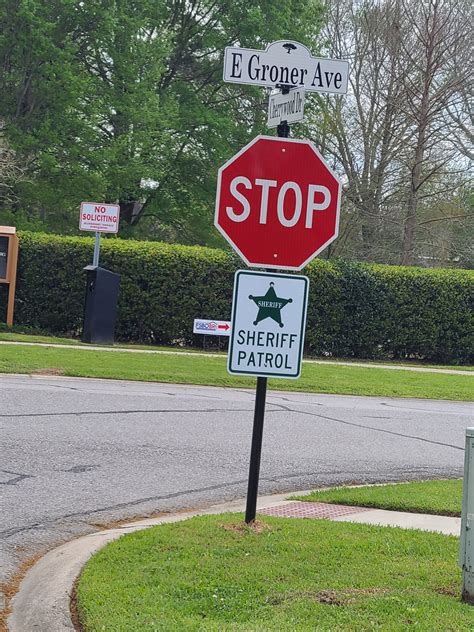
(212, 327)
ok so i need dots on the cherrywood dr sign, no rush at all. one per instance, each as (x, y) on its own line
(277, 203)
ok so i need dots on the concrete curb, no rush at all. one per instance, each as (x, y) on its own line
(42, 603)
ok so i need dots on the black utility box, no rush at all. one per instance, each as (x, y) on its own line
(100, 310)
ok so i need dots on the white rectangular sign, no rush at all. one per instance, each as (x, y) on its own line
(285, 63)
(212, 327)
(99, 218)
(285, 107)
(269, 321)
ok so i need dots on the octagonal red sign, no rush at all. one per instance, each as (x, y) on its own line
(277, 203)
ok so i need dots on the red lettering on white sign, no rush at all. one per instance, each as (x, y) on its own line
(99, 218)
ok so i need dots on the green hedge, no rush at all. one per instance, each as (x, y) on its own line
(355, 310)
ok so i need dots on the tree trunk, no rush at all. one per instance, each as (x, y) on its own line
(423, 121)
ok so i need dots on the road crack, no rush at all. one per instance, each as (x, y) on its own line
(138, 411)
(16, 477)
(7, 533)
(365, 427)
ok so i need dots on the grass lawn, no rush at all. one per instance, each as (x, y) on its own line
(211, 370)
(214, 574)
(7, 336)
(432, 497)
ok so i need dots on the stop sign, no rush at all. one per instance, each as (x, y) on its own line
(277, 203)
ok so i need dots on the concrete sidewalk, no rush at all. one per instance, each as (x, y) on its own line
(365, 365)
(364, 515)
(42, 603)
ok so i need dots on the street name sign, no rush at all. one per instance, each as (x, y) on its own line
(99, 218)
(285, 107)
(269, 320)
(212, 327)
(285, 63)
(277, 203)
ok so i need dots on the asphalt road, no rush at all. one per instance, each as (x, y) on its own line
(77, 453)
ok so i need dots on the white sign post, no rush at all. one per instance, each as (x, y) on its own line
(268, 324)
(288, 64)
(286, 107)
(99, 218)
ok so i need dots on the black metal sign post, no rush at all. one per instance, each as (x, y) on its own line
(256, 450)
(283, 131)
(290, 68)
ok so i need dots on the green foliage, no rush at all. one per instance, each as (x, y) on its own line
(21, 221)
(125, 101)
(355, 310)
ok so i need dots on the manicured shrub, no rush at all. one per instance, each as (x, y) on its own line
(355, 310)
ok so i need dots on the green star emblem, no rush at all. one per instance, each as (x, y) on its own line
(269, 306)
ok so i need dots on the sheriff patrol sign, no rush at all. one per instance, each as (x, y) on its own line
(268, 324)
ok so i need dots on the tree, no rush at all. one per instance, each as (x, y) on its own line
(365, 130)
(434, 32)
(124, 100)
(11, 172)
(403, 131)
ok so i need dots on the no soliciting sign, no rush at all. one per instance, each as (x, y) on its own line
(268, 324)
(99, 218)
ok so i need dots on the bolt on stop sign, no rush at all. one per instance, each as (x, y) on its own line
(277, 203)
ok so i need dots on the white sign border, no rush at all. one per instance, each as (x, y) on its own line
(303, 323)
